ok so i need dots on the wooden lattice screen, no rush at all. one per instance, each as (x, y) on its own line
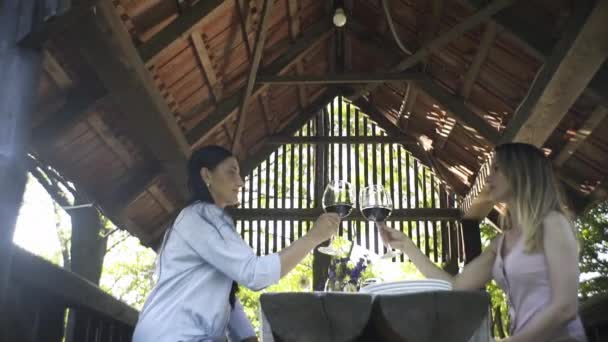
(281, 196)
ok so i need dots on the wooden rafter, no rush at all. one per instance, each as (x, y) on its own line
(416, 150)
(280, 140)
(489, 35)
(266, 112)
(457, 107)
(538, 44)
(294, 33)
(597, 116)
(430, 31)
(202, 53)
(302, 97)
(289, 129)
(226, 108)
(180, 27)
(159, 195)
(577, 57)
(108, 48)
(350, 78)
(257, 57)
(79, 99)
(566, 73)
(110, 140)
(444, 39)
(55, 71)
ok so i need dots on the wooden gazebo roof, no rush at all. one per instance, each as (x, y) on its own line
(131, 87)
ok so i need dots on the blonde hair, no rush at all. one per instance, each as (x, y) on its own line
(534, 188)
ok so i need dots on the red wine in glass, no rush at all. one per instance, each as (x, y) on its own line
(341, 209)
(376, 206)
(339, 198)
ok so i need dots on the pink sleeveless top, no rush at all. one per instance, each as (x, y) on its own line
(525, 280)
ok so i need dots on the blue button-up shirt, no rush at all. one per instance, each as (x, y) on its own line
(202, 255)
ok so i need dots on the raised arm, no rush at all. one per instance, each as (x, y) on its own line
(207, 231)
(475, 275)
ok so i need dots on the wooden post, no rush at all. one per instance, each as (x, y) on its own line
(20, 70)
(472, 239)
(321, 261)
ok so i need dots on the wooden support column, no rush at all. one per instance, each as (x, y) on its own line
(472, 239)
(321, 261)
(20, 71)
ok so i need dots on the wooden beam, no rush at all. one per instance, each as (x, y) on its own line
(416, 150)
(444, 39)
(110, 140)
(20, 70)
(375, 77)
(226, 108)
(159, 195)
(456, 106)
(292, 127)
(55, 71)
(597, 116)
(576, 58)
(266, 112)
(255, 64)
(294, 19)
(204, 59)
(414, 214)
(107, 46)
(302, 97)
(178, 28)
(79, 99)
(470, 77)
(134, 184)
(314, 140)
(487, 39)
(31, 271)
(537, 44)
(565, 74)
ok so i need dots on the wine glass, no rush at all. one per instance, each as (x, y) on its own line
(376, 206)
(338, 198)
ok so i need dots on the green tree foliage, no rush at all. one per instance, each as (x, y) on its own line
(593, 239)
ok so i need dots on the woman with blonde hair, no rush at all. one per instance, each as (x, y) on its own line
(534, 261)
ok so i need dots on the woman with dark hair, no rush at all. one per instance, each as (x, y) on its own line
(202, 258)
(534, 260)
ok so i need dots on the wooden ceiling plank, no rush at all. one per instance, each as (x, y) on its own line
(597, 116)
(444, 39)
(566, 73)
(110, 140)
(182, 26)
(204, 59)
(302, 97)
(226, 108)
(55, 71)
(488, 38)
(332, 78)
(255, 64)
(159, 195)
(107, 46)
(538, 44)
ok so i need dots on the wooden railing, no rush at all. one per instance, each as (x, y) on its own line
(41, 295)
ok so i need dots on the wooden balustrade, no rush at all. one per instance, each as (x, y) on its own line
(41, 296)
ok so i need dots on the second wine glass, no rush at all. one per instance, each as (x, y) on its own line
(338, 198)
(376, 205)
